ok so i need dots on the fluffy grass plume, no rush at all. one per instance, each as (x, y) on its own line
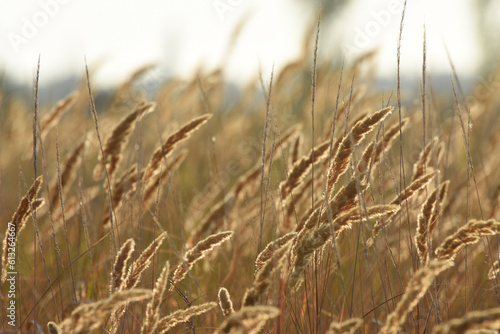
(373, 152)
(248, 319)
(406, 194)
(120, 266)
(179, 316)
(468, 234)
(301, 167)
(141, 263)
(415, 290)
(472, 321)
(264, 276)
(87, 318)
(422, 237)
(29, 203)
(133, 276)
(198, 252)
(349, 326)
(225, 303)
(153, 309)
(271, 248)
(114, 145)
(171, 142)
(358, 132)
(316, 238)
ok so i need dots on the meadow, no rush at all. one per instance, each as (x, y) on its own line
(310, 202)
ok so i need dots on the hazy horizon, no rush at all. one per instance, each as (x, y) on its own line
(179, 38)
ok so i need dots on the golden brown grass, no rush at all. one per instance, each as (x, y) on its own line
(348, 326)
(304, 208)
(198, 252)
(225, 302)
(415, 290)
(88, 317)
(170, 143)
(248, 319)
(472, 322)
(114, 145)
(468, 234)
(28, 205)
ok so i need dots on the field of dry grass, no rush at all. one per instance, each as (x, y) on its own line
(312, 203)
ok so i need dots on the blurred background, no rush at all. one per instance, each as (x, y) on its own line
(245, 38)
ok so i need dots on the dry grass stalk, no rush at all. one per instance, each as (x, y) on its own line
(344, 201)
(139, 265)
(29, 203)
(410, 191)
(341, 161)
(422, 237)
(115, 144)
(125, 184)
(349, 326)
(263, 278)
(244, 320)
(153, 309)
(372, 153)
(134, 273)
(474, 320)
(198, 252)
(423, 160)
(54, 115)
(301, 167)
(468, 234)
(346, 219)
(415, 290)
(120, 265)
(151, 188)
(68, 173)
(271, 248)
(443, 191)
(171, 142)
(225, 302)
(180, 316)
(413, 188)
(314, 239)
(86, 318)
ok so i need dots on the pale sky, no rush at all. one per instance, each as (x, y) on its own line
(180, 36)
